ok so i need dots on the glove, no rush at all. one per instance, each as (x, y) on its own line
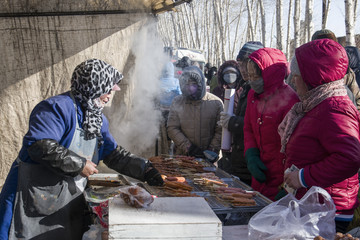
(225, 164)
(211, 156)
(195, 151)
(255, 165)
(224, 119)
(282, 193)
(153, 177)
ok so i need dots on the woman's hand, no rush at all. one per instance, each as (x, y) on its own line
(292, 179)
(89, 169)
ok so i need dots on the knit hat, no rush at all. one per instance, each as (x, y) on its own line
(248, 48)
(324, 33)
(184, 62)
(294, 67)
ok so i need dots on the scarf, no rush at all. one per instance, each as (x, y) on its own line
(310, 100)
(90, 80)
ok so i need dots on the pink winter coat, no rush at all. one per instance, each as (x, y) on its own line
(263, 115)
(325, 143)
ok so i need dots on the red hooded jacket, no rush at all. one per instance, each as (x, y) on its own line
(325, 143)
(263, 115)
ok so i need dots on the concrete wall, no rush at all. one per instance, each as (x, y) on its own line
(38, 55)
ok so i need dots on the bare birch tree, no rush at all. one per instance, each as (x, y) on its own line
(325, 11)
(349, 22)
(235, 47)
(355, 10)
(288, 53)
(263, 22)
(296, 24)
(272, 28)
(221, 27)
(309, 20)
(250, 30)
(279, 32)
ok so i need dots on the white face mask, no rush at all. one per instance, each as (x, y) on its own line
(230, 77)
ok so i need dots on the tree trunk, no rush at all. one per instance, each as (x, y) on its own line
(235, 47)
(288, 41)
(219, 27)
(279, 25)
(349, 24)
(188, 29)
(296, 24)
(175, 30)
(325, 11)
(272, 28)
(263, 22)
(250, 23)
(197, 28)
(207, 32)
(308, 20)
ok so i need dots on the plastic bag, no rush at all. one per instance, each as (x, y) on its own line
(101, 194)
(94, 233)
(290, 218)
(102, 212)
(136, 196)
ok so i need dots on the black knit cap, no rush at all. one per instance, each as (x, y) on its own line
(247, 49)
(184, 62)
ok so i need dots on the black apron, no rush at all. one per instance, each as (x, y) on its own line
(49, 205)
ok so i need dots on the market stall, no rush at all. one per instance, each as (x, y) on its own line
(189, 183)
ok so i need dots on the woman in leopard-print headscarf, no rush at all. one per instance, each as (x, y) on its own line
(68, 135)
(87, 89)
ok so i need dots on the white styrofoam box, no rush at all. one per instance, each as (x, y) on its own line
(166, 218)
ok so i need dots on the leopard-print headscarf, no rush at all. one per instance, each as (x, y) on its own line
(90, 80)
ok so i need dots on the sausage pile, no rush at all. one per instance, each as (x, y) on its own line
(179, 171)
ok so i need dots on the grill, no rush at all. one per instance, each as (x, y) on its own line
(228, 214)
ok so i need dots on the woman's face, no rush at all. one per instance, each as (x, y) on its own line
(106, 98)
(253, 74)
(300, 85)
(103, 99)
(243, 69)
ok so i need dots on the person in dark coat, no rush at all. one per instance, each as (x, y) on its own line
(184, 62)
(68, 135)
(206, 72)
(229, 77)
(213, 81)
(353, 54)
(235, 162)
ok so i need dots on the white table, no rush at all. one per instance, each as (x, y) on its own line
(235, 232)
(166, 218)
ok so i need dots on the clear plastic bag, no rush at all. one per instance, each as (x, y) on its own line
(101, 194)
(313, 215)
(136, 196)
(94, 233)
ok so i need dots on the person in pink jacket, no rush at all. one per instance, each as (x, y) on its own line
(320, 134)
(268, 102)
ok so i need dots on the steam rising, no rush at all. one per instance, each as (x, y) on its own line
(137, 129)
